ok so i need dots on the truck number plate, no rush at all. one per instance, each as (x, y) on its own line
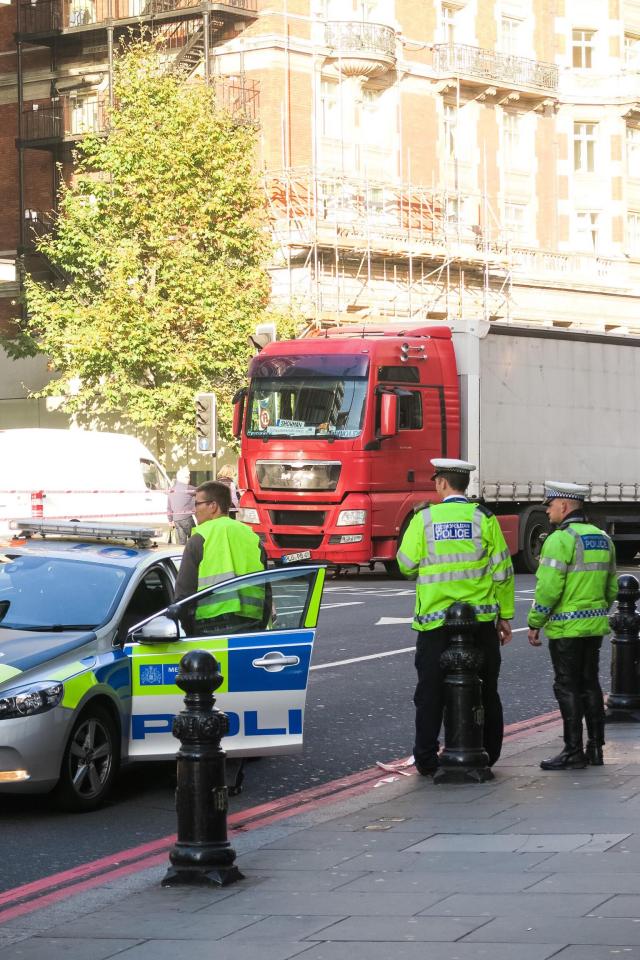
(294, 557)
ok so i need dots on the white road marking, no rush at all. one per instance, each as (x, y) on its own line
(376, 656)
(350, 603)
(371, 656)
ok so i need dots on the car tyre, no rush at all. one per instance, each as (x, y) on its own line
(90, 761)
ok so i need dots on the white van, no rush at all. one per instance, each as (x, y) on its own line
(81, 475)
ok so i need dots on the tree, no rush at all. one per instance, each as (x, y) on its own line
(163, 243)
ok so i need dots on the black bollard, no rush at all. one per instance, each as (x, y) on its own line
(202, 853)
(623, 703)
(464, 758)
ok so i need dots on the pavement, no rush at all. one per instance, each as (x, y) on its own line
(528, 866)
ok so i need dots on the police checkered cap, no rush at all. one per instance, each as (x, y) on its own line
(566, 491)
(449, 465)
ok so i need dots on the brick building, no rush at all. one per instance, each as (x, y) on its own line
(421, 158)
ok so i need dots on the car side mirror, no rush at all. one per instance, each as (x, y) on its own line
(238, 412)
(159, 630)
(388, 415)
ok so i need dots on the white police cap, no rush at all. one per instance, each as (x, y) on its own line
(566, 491)
(449, 465)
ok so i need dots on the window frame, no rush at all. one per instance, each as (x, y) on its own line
(585, 139)
(582, 48)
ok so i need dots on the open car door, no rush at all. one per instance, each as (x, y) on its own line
(260, 628)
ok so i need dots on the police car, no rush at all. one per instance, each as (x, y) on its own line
(90, 644)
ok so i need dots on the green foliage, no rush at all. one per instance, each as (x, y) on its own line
(163, 241)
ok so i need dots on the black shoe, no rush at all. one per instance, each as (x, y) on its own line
(593, 753)
(567, 760)
(427, 768)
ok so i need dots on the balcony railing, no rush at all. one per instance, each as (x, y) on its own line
(239, 96)
(494, 67)
(353, 38)
(64, 119)
(48, 16)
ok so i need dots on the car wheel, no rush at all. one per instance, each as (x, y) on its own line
(90, 761)
(536, 529)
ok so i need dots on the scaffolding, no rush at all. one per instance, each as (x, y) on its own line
(350, 248)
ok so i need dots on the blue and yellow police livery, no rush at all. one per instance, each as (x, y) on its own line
(80, 693)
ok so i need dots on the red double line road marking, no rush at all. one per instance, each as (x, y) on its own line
(60, 886)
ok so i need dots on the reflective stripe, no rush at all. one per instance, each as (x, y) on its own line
(476, 537)
(499, 557)
(557, 564)
(406, 561)
(579, 565)
(466, 573)
(480, 609)
(216, 578)
(580, 614)
(540, 608)
(501, 575)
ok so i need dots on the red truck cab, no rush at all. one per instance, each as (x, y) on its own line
(337, 433)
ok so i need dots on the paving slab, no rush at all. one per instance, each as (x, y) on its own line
(153, 926)
(619, 905)
(353, 903)
(516, 904)
(436, 951)
(452, 861)
(399, 930)
(206, 950)
(66, 948)
(588, 882)
(294, 928)
(586, 930)
(444, 883)
(517, 842)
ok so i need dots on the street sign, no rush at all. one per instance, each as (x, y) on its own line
(206, 423)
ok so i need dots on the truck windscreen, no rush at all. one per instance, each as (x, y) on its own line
(301, 396)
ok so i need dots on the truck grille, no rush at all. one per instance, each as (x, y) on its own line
(300, 541)
(297, 518)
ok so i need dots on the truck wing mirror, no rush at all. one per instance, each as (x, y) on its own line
(388, 415)
(238, 412)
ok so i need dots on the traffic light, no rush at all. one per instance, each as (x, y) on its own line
(206, 423)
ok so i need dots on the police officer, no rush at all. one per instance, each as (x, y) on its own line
(456, 551)
(219, 549)
(575, 586)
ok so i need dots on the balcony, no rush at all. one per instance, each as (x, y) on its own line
(497, 74)
(361, 49)
(44, 17)
(239, 96)
(64, 119)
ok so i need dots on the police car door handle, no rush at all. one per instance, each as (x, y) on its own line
(275, 661)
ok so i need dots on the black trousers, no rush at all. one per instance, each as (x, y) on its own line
(429, 694)
(576, 665)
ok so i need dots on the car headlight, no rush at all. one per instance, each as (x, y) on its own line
(247, 515)
(36, 698)
(351, 518)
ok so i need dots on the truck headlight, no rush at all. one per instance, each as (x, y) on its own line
(351, 518)
(36, 698)
(247, 515)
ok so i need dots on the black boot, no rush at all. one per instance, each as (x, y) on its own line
(595, 742)
(572, 757)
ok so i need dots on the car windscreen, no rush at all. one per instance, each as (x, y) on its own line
(48, 593)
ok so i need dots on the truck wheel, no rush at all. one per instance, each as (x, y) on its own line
(391, 566)
(535, 531)
(626, 551)
(90, 761)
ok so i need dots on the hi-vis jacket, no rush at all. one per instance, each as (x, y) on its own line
(456, 551)
(231, 549)
(576, 582)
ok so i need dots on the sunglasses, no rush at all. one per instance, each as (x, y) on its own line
(200, 503)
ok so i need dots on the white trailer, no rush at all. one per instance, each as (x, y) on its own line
(540, 404)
